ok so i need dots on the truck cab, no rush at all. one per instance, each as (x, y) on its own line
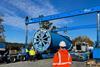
(80, 52)
(2, 50)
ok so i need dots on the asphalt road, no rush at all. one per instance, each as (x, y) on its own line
(40, 63)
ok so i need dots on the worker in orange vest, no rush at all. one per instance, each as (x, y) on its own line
(62, 58)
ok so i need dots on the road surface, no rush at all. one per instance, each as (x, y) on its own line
(40, 63)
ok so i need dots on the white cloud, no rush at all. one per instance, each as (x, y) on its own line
(33, 9)
(19, 23)
(62, 22)
(14, 21)
(6, 12)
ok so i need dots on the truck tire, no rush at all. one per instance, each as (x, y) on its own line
(22, 58)
(13, 59)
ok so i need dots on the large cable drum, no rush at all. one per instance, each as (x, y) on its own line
(44, 40)
(41, 40)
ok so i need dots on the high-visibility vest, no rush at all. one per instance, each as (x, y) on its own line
(62, 59)
(32, 52)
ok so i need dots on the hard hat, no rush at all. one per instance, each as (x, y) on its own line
(62, 44)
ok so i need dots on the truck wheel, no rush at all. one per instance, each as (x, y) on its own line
(22, 58)
(13, 59)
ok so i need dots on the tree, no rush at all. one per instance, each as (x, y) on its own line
(83, 39)
(2, 37)
(46, 24)
(1, 19)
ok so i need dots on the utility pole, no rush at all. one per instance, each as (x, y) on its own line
(98, 29)
(26, 32)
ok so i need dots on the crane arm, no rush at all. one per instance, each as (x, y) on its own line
(76, 27)
(63, 15)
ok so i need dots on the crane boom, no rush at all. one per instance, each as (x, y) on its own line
(76, 27)
(64, 15)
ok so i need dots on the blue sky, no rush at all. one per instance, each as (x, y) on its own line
(14, 12)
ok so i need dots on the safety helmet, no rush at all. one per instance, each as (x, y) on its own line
(62, 44)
